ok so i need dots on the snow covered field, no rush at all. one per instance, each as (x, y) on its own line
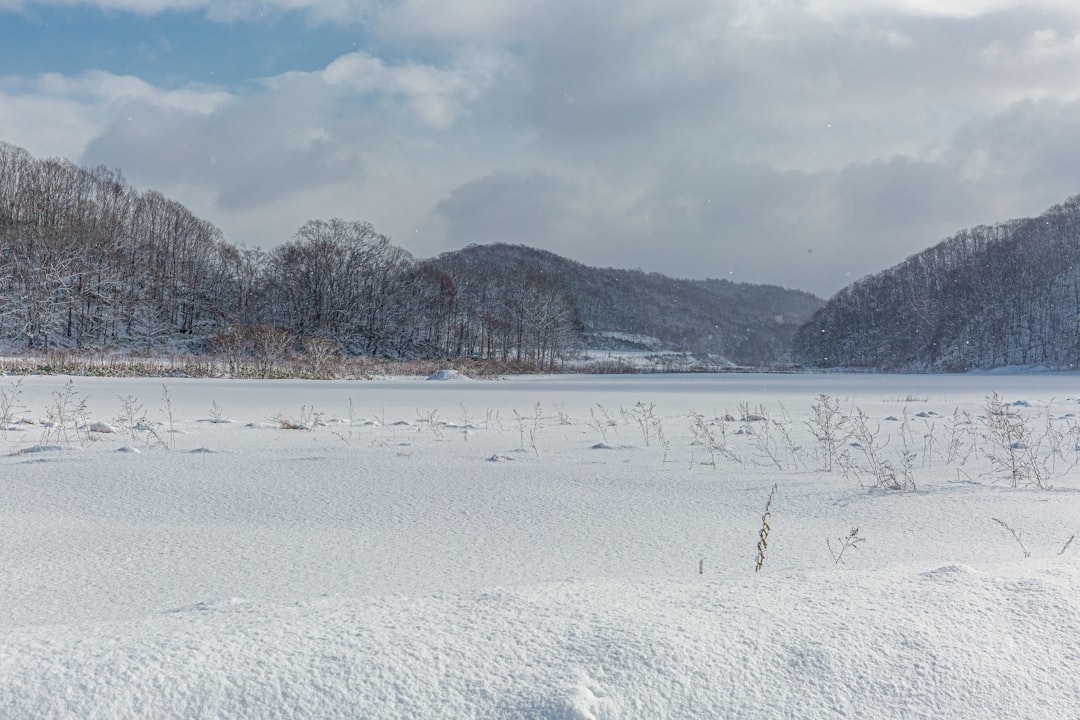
(544, 547)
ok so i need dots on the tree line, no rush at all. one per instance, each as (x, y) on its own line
(88, 262)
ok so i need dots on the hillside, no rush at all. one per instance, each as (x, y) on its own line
(89, 262)
(742, 323)
(992, 296)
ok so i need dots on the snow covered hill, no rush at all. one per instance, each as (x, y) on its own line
(992, 296)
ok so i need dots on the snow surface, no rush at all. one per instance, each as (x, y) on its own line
(483, 550)
(446, 374)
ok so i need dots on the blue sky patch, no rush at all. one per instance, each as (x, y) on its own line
(169, 49)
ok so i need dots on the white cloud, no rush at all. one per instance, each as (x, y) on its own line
(358, 138)
(142, 7)
(435, 95)
(48, 126)
(54, 114)
(949, 9)
(780, 141)
(1046, 46)
(95, 87)
(218, 10)
(464, 21)
(493, 20)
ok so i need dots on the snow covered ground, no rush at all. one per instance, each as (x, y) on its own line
(543, 547)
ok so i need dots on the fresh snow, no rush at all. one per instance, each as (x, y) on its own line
(446, 374)
(448, 550)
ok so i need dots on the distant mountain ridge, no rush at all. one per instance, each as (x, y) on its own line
(743, 323)
(991, 296)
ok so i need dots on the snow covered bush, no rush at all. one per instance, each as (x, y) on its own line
(1013, 447)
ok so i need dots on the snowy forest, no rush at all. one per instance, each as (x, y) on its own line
(89, 262)
(1000, 295)
(86, 261)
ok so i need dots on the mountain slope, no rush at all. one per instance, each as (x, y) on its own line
(992, 296)
(746, 324)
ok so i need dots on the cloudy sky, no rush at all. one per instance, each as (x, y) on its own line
(799, 142)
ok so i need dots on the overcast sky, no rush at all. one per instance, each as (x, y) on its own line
(804, 143)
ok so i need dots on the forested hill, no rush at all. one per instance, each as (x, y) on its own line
(992, 296)
(88, 262)
(744, 323)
